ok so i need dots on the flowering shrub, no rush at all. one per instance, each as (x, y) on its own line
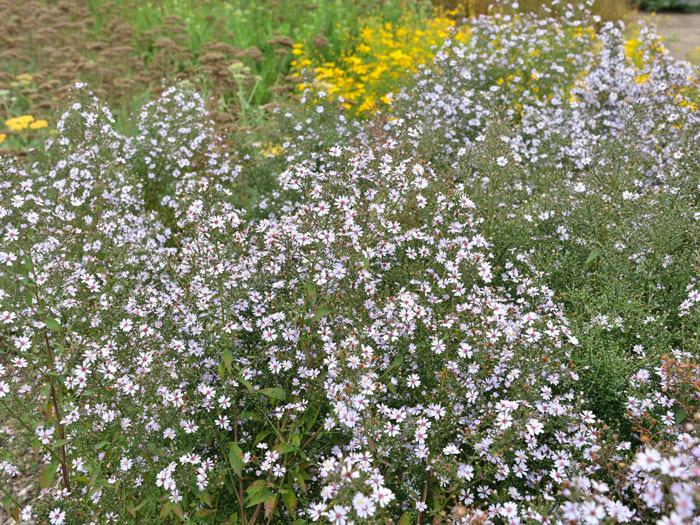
(434, 315)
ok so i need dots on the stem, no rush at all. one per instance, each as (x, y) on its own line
(255, 514)
(54, 399)
(425, 496)
(240, 478)
(12, 498)
(51, 452)
(272, 511)
(218, 497)
(233, 483)
(311, 438)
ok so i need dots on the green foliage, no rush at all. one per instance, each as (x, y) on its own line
(687, 6)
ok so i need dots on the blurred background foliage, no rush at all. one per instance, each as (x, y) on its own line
(241, 54)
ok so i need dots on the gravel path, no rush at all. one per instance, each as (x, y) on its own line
(681, 33)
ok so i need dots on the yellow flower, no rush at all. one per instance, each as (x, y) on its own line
(270, 150)
(24, 79)
(19, 123)
(379, 56)
(3, 136)
(38, 124)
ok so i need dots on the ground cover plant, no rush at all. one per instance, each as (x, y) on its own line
(473, 302)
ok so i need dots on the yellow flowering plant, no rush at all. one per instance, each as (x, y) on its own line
(18, 127)
(378, 60)
(19, 123)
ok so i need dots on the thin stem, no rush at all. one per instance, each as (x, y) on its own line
(54, 399)
(12, 498)
(240, 478)
(425, 496)
(30, 429)
(311, 438)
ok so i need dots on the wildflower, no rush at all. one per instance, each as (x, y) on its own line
(19, 123)
(364, 506)
(57, 517)
(337, 515)
(38, 124)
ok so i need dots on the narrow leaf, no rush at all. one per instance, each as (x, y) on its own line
(290, 501)
(227, 359)
(235, 457)
(48, 474)
(322, 311)
(592, 257)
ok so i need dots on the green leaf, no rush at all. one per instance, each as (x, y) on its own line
(52, 324)
(47, 475)
(246, 383)
(310, 290)
(235, 457)
(262, 435)
(405, 519)
(133, 510)
(592, 256)
(254, 487)
(274, 392)
(259, 497)
(286, 449)
(227, 359)
(290, 500)
(300, 476)
(322, 311)
(94, 471)
(680, 415)
(395, 363)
